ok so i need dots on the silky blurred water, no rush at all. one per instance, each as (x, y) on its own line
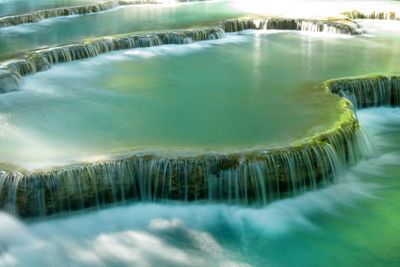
(353, 223)
(92, 107)
(16, 7)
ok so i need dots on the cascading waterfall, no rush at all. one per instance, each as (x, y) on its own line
(9, 80)
(337, 27)
(370, 91)
(255, 178)
(68, 11)
(381, 15)
(37, 16)
(42, 59)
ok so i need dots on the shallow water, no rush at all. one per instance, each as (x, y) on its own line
(353, 223)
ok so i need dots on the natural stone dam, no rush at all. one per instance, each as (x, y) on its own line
(180, 133)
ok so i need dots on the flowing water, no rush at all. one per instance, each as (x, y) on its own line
(70, 29)
(16, 7)
(261, 89)
(353, 223)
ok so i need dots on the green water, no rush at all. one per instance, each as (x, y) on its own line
(256, 87)
(248, 90)
(62, 30)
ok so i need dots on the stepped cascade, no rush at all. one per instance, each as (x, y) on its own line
(198, 132)
(381, 15)
(238, 178)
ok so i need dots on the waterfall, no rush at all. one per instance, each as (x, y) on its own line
(338, 27)
(41, 60)
(382, 15)
(239, 178)
(37, 16)
(369, 91)
(9, 80)
(68, 11)
(244, 178)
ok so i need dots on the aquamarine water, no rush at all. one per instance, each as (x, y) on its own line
(257, 88)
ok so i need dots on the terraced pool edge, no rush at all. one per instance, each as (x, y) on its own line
(245, 177)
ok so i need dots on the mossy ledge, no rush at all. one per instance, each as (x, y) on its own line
(40, 60)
